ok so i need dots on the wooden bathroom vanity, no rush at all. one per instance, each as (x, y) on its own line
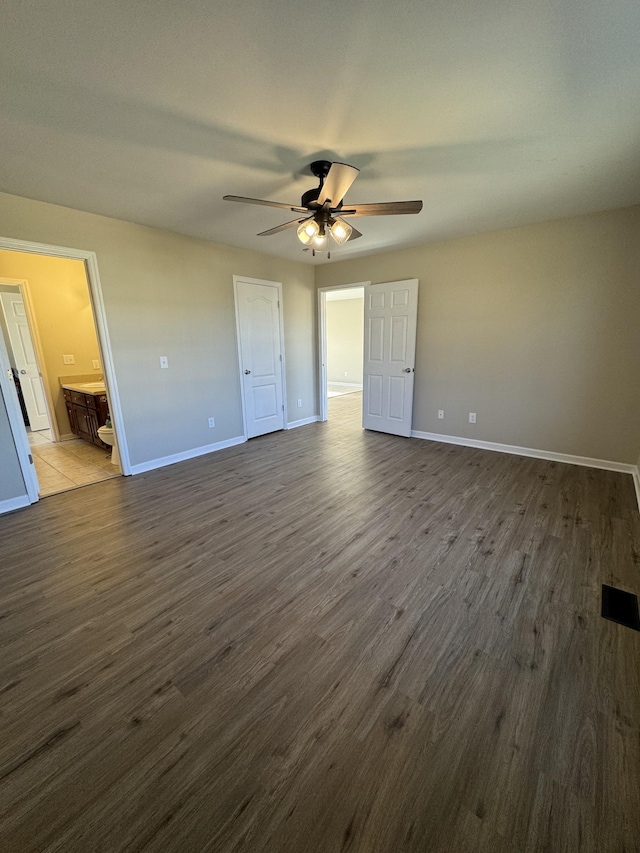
(87, 409)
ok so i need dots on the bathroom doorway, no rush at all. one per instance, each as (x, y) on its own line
(57, 381)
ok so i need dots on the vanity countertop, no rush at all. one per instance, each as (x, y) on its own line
(86, 387)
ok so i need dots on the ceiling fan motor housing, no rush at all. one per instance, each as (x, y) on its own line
(310, 198)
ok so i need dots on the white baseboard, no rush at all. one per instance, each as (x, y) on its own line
(12, 504)
(312, 420)
(345, 384)
(186, 454)
(586, 461)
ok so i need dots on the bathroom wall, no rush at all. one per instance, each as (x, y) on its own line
(60, 299)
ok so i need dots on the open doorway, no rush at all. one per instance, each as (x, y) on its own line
(52, 356)
(341, 315)
(388, 328)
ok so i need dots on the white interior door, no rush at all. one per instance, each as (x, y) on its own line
(390, 320)
(24, 355)
(260, 351)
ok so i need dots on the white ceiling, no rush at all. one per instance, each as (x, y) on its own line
(494, 113)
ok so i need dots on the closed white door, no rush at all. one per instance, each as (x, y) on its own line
(24, 355)
(390, 320)
(260, 350)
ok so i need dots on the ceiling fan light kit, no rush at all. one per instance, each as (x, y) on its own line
(324, 206)
(307, 230)
(340, 231)
(320, 241)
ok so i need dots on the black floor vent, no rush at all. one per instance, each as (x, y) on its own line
(620, 606)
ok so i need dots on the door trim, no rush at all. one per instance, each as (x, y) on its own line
(277, 284)
(102, 331)
(322, 342)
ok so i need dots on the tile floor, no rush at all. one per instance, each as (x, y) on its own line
(42, 436)
(68, 464)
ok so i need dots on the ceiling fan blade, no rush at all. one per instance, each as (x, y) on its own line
(337, 183)
(383, 208)
(280, 204)
(281, 227)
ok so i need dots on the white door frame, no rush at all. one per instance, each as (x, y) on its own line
(322, 341)
(278, 285)
(104, 345)
(23, 286)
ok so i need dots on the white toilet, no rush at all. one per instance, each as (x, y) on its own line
(106, 434)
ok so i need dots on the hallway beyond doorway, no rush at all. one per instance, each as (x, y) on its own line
(345, 412)
(337, 390)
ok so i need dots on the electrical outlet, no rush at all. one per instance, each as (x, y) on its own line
(299, 404)
(345, 373)
(68, 359)
(212, 423)
(96, 364)
(440, 414)
(472, 417)
(164, 361)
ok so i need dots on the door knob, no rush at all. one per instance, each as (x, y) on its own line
(247, 372)
(23, 371)
(407, 370)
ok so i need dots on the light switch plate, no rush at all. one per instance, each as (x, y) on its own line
(164, 361)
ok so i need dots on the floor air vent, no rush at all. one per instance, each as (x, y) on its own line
(620, 606)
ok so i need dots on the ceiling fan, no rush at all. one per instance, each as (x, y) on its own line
(322, 209)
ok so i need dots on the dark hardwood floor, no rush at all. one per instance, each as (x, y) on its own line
(323, 640)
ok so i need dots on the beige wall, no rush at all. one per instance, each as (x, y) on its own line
(64, 321)
(166, 294)
(535, 329)
(345, 328)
